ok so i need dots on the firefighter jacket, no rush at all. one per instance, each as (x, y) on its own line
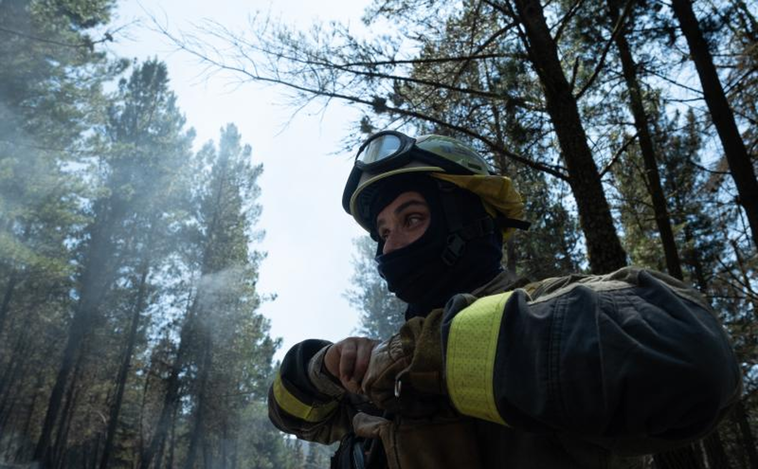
(571, 372)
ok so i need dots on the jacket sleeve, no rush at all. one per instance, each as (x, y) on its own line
(634, 360)
(303, 400)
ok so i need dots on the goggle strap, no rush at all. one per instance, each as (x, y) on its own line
(505, 222)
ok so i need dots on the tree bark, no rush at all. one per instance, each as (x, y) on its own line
(7, 296)
(510, 257)
(740, 165)
(77, 332)
(714, 449)
(57, 451)
(171, 398)
(172, 444)
(15, 386)
(95, 281)
(641, 123)
(23, 451)
(604, 248)
(197, 434)
(225, 441)
(684, 457)
(748, 440)
(12, 369)
(745, 273)
(123, 371)
(170, 401)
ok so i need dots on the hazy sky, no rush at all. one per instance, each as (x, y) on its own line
(308, 235)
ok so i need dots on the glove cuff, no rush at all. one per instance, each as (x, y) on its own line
(322, 380)
(425, 371)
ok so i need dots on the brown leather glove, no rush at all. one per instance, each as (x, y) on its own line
(405, 373)
(444, 442)
(388, 360)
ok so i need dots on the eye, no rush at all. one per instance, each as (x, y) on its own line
(414, 219)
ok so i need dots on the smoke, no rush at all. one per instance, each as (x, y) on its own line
(217, 288)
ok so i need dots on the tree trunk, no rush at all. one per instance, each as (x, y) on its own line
(235, 452)
(685, 457)
(77, 333)
(714, 449)
(745, 273)
(740, 165)
(172, 443)
(58, 448)
(93, 458)
(510, 256)
(159, 455)
(23, 450)
(95, 281)
(171, 398)
(695, 261)
(641, 123)
(170, 401)
(14, 367)
(225, 441)
(208, 455)
(748, 22)
(603, 245)
(748, 441)
(197, 434)
(123, 371)
(7, 296)
(15, 388)
(58, 451)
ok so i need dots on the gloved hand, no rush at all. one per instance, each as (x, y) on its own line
(445, 442)
(406, 370)
(347, 361)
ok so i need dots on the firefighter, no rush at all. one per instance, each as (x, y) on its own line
(488, 370)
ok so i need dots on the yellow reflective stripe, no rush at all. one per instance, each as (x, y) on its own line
(293, 406)
(470, 364)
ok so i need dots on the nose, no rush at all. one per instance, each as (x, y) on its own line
(394, 241)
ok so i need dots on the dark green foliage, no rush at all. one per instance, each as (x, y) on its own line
(109, 226)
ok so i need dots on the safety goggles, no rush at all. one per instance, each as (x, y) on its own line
(388, 150)
(384, 149)
(390, 153)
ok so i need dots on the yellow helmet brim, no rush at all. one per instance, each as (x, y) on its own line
(497, 193)
(412, 168)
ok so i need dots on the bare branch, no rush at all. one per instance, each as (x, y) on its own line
(618, 154)
(563, 22)
(616, 31)
(311, 76)
(484, 45)
(433, 60)
(86, 44)
(673, 82)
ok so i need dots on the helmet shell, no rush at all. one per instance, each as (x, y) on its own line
(454, 150)
(451, 156)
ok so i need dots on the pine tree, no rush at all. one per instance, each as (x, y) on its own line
(50, 95)
(146, 130)
(741, 167)
(131, 167)
(381, 313)
(224, 347)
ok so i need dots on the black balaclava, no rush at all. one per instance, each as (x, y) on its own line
(417, 273)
